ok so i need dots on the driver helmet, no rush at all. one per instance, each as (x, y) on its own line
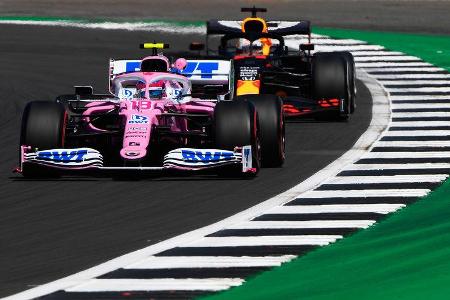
(243, 46)
(257, 47)
(179, 65)
(155, 92)
(140, 90)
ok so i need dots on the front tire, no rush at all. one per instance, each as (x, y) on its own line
(271, 123)
(43, 124)
(236, 124)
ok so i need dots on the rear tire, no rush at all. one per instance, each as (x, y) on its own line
(236, 124)
(350, 61)
(272, 127)
(43, 125)
(330, 80)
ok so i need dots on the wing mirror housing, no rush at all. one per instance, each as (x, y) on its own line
(83, 90)
(306, 47)
(196, 46)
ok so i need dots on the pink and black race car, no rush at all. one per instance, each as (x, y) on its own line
(149, 122)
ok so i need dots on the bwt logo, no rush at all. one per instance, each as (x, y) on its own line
(206, 157)
(204, 68)
(137, 119)
(127, 93)
(63, 156)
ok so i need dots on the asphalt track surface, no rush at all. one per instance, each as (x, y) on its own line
(426, 16)
(50, 229)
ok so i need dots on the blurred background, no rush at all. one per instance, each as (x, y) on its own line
(424, 16)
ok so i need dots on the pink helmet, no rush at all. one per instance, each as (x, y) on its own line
(180, 64)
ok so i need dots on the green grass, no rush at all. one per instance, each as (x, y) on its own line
(406, 256)
(434, 49)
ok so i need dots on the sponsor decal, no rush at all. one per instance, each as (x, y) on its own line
(195, 69)
(138, 119)
(205, 69)
(134, 132)
(206, 156)
(177, 92)
(143, 104)
(127, 93)
(247, 153)
(191, 158)
(246, 158)
(138, 129)
(63, 156)
(248, 73)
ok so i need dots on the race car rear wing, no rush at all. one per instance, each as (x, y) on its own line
(199, 71)
(278, 27)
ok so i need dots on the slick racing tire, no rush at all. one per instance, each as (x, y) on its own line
(330, 80)
(350, 61)
(43, 125)
(272, 128)
(236, 124)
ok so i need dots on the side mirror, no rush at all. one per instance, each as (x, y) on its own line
(306, 47)
(196, 46)
(83, 90)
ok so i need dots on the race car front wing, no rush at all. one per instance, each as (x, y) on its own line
(178, 159)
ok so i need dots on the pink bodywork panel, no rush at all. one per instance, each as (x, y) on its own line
(140, 115)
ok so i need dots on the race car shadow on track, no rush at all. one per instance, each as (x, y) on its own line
(140, 176)
(21, 179)
(295, 120)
